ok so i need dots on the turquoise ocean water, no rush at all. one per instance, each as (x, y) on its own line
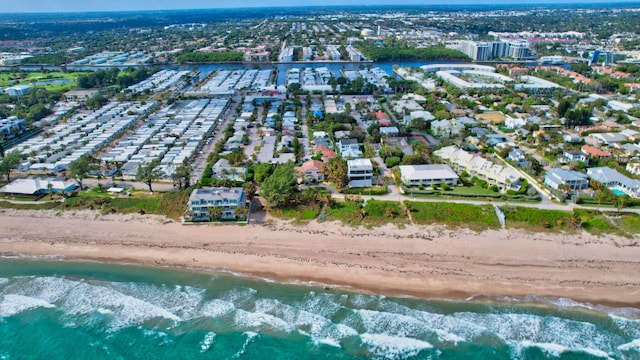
(64, 310)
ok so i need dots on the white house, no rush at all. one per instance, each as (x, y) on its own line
(446, 128)
(615, 181)
(571, 155)
(360, 173)
(227, 199)
(574, 180)
(350, 148)
(428, 175)
(503, 177)
(514, 123)
(223, 170)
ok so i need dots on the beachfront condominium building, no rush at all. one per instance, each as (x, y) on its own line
(360, 173)
(428, 175)
(204, 202)
(474, 165)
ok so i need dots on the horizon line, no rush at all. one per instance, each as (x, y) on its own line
(463, 3)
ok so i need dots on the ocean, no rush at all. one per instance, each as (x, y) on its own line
(52, 309)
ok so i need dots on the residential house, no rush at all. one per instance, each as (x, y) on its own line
(513, 123)
(571, 138)
(227, 199)
(474, 165)
(360, 173)
(572, 155)
(311, 170)
(609, 138)
(615, 181)
(428, 175)
(12, 126)
(634, 168)
(595, 152)
(389, 131)
(38, 186)
(517, 157)
(558, 178)
(446, 128)
(223, 170)
(325, 152)
(350, 148)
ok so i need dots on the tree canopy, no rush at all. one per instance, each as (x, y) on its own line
(10, 162)
(81, 168)
(279, 186)
(148, 173)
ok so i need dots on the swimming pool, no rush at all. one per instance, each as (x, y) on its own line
(618, 192)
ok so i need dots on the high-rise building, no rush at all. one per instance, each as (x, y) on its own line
(519, 49)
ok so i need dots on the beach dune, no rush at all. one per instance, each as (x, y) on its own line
(424, 261)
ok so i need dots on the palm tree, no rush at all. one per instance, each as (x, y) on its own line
(214, 212)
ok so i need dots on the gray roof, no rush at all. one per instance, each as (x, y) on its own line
(566, 175)
(612, 177)
(217, 193)
(348, 141)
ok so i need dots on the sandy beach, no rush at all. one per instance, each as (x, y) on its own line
(428, 262)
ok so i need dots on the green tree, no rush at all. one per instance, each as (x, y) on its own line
(214, 212)
(10, 162)
(236, 157)
(81, 168)
(336, 172)
(278, 187)
(261, 172)
(181, 177)
(149, 172)
(298, 151)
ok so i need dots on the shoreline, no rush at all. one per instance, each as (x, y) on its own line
(417, 261)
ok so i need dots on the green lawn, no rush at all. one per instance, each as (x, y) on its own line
(474, 217)
(29, 77)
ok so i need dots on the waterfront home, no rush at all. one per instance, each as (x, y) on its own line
(311, 170)
(503, 177)
(360, 173)
(559, 178)
(428, 175)
(616, 182)
(38, 186)
(228, 200)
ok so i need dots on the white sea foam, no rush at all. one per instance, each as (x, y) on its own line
(251, 335)
(630, 327)
(206, 343)
(327, 341)
(550, 348)
(391, 324)
(514, 328)
(595, 352)
(217, 308)
(14, 304)
(79, 298)
(633, 345)
(394, 347)
(250, 320)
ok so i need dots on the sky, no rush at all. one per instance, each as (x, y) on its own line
(12, 6)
